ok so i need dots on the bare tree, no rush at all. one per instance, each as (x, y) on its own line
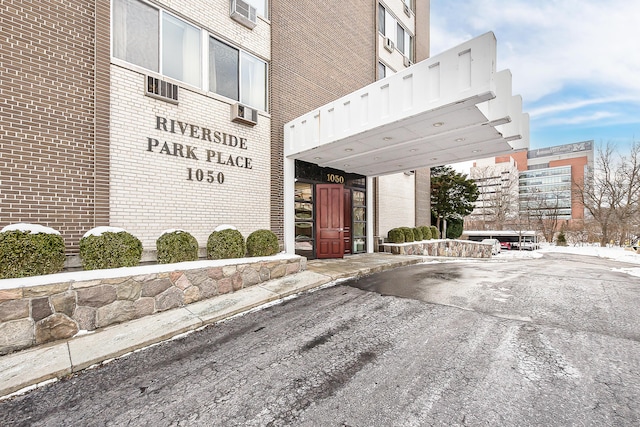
(544, 209)
(497, 203)
(611, 192)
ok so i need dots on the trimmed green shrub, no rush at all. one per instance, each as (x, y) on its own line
(225, 244)
(23, 254)
(176, 246)
(262, 243)
(395, 235)
(408, 234)
(426, 232)
(110, 249)
(417, 233)
(454, 228)
(435, 233)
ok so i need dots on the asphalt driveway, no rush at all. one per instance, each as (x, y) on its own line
(548, 341)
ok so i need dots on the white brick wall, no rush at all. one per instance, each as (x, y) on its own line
(396, 202)
(150, 191)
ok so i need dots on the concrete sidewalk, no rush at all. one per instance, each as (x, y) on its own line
(34, 366)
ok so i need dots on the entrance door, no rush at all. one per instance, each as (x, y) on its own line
(329, 221)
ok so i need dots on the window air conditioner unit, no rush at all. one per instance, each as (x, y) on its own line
(407, 62)
(243, 114)
(407, 10)
(161, 89)
(243, 13)
(388, 44)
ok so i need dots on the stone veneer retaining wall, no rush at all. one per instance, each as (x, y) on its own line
(446, 248)
(34, 315)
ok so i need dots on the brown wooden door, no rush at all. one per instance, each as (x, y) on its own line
(329, 221)
(347, 221)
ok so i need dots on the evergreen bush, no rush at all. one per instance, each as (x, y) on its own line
(435, 234)
(109, 249)
(225, 244)
(408, 234)
(262, 243)
(417, 233)
(23, 254)
(426, 232)
(395, 235)
(176, 246)
(561, 240)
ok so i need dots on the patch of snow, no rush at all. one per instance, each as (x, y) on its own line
(629, 271)
(225, 227)
(98, 231)
(172, 230)
(615, 253)
(518, 255)
(31, 228)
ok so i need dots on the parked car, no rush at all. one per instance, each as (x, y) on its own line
(505, 245)
(495, 245)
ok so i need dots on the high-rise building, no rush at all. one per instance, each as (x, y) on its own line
(317, 120)
(541, 182)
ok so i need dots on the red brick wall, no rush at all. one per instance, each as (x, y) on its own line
(47, 114)
(519, 156)
(320, 51)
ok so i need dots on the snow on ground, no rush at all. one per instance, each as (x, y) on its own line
(612, 253)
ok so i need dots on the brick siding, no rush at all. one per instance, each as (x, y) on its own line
(47, 120)
(321, 51)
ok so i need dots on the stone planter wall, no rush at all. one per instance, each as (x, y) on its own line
(445, 248)
(34, 315)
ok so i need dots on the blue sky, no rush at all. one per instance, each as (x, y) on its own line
(576, 63)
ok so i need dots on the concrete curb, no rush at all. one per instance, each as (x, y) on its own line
(26, 369)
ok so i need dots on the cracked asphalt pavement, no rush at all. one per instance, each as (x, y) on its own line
(552, 341)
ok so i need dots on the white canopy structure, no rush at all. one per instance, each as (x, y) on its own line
(450, 108)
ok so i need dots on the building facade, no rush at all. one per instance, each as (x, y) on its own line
(538, 184)
(159, 114)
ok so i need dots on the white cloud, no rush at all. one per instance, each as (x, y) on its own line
(550, 45)
(588, 118)
(568, 106)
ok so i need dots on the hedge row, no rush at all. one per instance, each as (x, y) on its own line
(415, 234)
(30, 253)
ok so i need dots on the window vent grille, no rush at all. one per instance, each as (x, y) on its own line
(161, 89)
(407, 10)
(243, 114)
(243, 13)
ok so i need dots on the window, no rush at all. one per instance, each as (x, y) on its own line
(137, 39)
(153, 39)
(181, 50)
(237, 75)
(223, 69)
(136, 33)
(381, 19)
(359, 222)
(304, 219)
(382, 70)
(260, 5)
(253, 90)
(410, 53)
(400, 39)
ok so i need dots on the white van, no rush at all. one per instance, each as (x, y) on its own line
(495, 245)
